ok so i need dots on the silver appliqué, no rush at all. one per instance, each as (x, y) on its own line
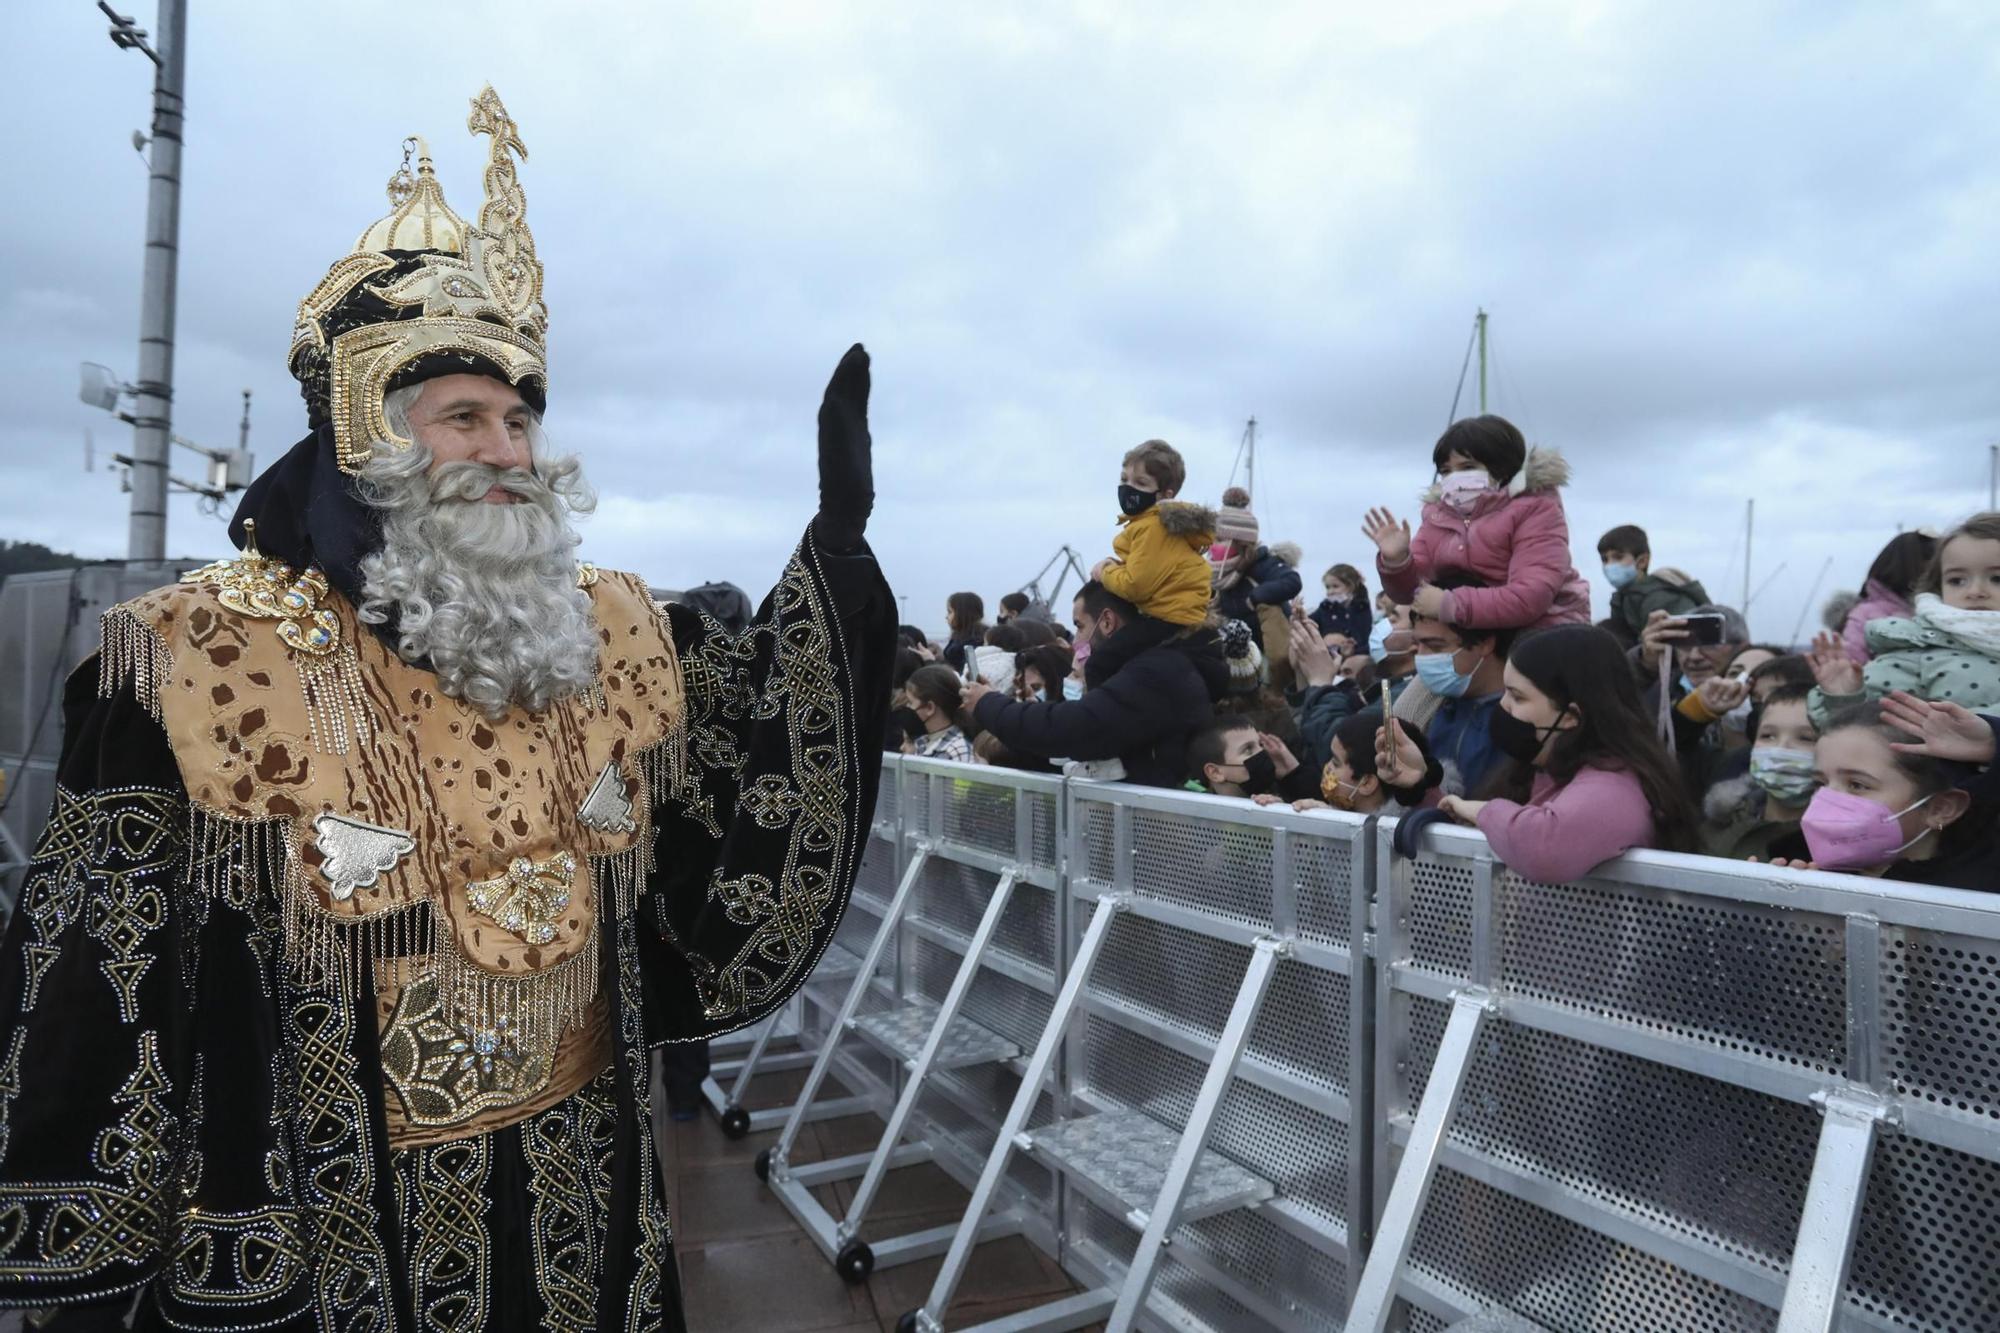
(608, 809)
(356, 854)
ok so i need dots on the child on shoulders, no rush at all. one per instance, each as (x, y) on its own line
(1497, 513)
(1948, 650)
(1158, 561)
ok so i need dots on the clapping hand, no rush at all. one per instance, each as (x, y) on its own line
(1835, 671)
(1391, 537)
(1943, 730)
(1310, 657)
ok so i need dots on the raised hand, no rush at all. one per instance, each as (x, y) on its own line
(1835, 671)
(846, 456)
(1282, 758)
(1943, 730)
(1310, 658)
(1391, 537)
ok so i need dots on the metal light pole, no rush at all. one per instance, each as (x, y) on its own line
(152, 401)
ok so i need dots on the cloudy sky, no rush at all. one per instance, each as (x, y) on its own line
(1729, 252)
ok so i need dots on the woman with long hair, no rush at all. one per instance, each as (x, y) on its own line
(1603, 783)
(965, 616)
(934, 694)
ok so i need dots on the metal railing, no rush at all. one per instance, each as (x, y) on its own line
(1681, 1093)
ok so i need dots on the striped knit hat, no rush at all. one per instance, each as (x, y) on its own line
(1234, 522)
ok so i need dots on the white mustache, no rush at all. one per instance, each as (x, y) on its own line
(471, 481)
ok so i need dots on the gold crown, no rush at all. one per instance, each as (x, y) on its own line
(424, 294)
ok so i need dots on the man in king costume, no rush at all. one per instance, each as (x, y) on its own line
(384, 853)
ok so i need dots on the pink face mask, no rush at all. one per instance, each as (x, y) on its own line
(1461, 490)
(1218, 553)
(1848, 832)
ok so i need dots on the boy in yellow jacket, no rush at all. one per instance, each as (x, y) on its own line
(1159, 561)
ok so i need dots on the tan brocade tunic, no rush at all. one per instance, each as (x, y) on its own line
(462, 859)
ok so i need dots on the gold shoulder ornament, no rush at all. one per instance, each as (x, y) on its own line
(258, 587)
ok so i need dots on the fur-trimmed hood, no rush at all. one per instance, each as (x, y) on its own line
(1545, 470)
(1732, 799)
(1289, 552)
(1185, 518)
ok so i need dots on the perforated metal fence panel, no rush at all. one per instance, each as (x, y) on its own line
(1156, 1007)
(1641, 1116)
(1636, 1134)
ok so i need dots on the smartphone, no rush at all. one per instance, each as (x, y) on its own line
(1704, 628)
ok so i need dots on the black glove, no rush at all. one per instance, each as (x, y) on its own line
(846, 456)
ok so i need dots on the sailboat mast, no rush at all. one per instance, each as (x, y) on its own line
(1749, 531)
(1480, 320)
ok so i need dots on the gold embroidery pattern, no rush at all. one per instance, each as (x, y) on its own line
(101, 858)
(235, 1259)
(83, 1228)
(261, 588)
(442, 1200)
(528, 898)
(568, 1149)
(10, 1085)
(788, 918)
(656, 1236)
(337, 1166)
(446, 1074)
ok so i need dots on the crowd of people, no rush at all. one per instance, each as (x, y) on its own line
(1477, 684)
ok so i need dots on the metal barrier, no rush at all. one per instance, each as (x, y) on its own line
(1683, 1093)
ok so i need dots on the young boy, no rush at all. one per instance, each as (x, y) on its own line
(1230, 757)
(1158, 561)
(1637, 592)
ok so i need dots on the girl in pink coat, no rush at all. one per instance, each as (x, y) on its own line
(1495, 512)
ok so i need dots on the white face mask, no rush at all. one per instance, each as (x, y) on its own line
(1461, 490)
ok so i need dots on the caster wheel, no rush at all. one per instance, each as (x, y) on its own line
(908, 1323)
(762, 1166)
(855, 1261)
(735, 1123)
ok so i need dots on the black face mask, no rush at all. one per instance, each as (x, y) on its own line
(1133, 502)
(1519, 740)
(1260, 774)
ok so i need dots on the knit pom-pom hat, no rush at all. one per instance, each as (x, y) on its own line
(1235, 522)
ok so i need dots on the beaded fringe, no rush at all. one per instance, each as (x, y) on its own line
(227, 857)
(334, 700)
(623, 874)
(232, 859)
(663, 768)
(534, 1011)
(133, 653)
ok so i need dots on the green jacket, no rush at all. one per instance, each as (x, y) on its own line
(1915, 655)
(1669, 590)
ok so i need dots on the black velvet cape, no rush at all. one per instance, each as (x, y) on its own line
(187, 1125)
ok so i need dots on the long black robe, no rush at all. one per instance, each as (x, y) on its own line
(180, 1113)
